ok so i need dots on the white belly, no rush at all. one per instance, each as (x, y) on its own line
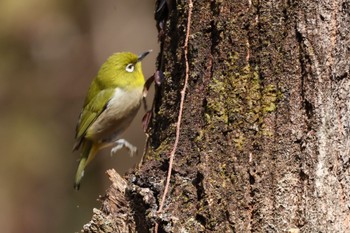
(118, 115)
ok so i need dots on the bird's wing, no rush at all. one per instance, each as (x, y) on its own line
(91, 110)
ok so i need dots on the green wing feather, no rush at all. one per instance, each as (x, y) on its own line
(93, 107)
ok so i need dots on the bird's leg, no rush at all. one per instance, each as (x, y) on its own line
(120, 143)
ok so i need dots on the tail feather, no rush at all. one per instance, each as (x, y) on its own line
(89, 150)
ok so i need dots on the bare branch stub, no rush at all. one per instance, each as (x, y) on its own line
(115, 214)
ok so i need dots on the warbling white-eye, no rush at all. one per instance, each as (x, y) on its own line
(112, 101)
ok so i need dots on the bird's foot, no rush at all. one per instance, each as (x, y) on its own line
(120, 143)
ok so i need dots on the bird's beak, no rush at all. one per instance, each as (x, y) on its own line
(143, 55)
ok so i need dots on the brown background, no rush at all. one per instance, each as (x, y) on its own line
(49, 53)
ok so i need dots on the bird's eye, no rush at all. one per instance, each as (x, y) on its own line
(130, 67)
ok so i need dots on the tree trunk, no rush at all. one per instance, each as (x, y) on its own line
(264, 135)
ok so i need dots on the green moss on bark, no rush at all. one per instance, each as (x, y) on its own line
(239, 98)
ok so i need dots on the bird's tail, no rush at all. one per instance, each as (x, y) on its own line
(88, 152)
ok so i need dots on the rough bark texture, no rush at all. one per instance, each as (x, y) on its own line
(115, 214)
(264, 143)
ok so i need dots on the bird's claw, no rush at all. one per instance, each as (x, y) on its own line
(119, 144)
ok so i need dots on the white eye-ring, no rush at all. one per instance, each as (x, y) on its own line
(130, 67)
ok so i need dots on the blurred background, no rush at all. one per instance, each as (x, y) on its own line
(49, 53)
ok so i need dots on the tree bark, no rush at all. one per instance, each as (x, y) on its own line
(264, 138)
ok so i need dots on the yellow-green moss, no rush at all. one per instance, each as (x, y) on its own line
(156, 154)
(199, 136)
(239, 141)
(239, 100)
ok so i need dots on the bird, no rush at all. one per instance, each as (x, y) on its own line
(112, 101)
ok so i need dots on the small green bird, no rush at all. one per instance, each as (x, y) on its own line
(113, 99)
